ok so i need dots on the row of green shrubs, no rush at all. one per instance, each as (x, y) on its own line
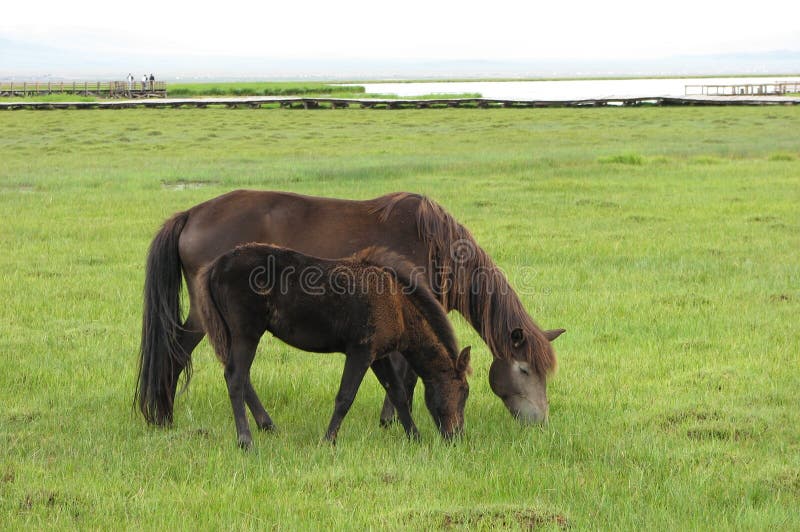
(259, 89)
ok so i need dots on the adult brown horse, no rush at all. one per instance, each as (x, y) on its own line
(367, 306)
(459, 272)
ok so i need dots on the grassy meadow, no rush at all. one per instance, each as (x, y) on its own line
(665, 240)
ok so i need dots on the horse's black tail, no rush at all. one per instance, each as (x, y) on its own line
(161, 357)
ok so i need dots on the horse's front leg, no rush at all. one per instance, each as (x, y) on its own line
(237, 377)
(356, 365)
(396, 392)
(403, 371)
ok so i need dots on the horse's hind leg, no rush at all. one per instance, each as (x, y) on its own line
(189, 335)
(390, 380)
(237, 377)
(260, 414)
(355, 367)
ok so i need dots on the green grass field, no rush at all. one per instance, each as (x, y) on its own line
(664, 239)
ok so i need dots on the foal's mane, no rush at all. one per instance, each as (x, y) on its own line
(465, 278)
(415, 288)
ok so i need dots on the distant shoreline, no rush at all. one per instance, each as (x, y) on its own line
(226, 80)
(560, 78)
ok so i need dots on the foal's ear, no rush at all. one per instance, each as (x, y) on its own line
(517, 337)
(552, 334)
(462, 365)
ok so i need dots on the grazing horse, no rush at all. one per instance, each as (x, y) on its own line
(367, 306)
(460, 273)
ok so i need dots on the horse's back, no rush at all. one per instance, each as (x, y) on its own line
(323, 227)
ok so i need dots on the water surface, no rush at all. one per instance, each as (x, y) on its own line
(562, 90)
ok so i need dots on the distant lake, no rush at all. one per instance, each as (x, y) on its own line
(561, 90)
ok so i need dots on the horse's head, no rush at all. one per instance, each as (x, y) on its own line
(446, 399)
(519, 383)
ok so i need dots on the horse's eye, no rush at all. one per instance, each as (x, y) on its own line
(524, 370)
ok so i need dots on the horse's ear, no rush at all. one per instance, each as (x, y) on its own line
(552, 334)
(517, 337)
(462, 366)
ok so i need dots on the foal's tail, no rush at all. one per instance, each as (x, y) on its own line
(213, 309)
(161, 357)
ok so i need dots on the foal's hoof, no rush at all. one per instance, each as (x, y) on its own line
(267, 427)
(387, 422)
(245, 443)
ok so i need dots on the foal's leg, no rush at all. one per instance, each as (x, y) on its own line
(391, 382)
(355, 366)
(261, 416)
(237, 376)
(387, 412)
(403, 371)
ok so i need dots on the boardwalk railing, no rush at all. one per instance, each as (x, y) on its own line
(744, 89)
(101, 89)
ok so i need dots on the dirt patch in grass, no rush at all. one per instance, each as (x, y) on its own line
(24, 417)
(186, 184)
(52, 501)
(702, 425)
(762, 219)
(596, 203)
(644, 219)
(689, 416)
(633, 159)
(719, 433)
(688, 300)
(18, 187)
(787, 482)
(488, 519)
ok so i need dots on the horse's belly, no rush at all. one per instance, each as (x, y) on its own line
(305, 333)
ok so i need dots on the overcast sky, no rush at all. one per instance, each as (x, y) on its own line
(411, 29)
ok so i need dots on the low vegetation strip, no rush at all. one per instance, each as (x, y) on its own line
(260, 89)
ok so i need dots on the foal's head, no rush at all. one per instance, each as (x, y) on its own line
(446, 400)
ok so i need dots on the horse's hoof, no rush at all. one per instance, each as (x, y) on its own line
(386, 423)
(245, 443)
(268, 427)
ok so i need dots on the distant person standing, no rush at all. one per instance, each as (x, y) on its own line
(144, 82)
(152, 81)
(130, 81)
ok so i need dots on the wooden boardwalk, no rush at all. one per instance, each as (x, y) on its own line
(98, 89)
(298, 102)
(744, 89)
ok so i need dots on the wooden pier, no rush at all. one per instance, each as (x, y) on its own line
(298, 102)
(746, 89)
(97, 89)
